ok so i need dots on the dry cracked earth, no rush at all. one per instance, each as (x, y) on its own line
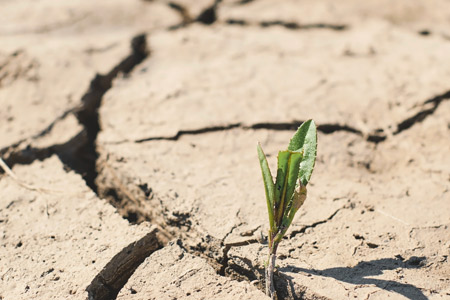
(128, 133)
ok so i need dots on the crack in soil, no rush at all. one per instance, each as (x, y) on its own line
(288, 25)
(83, 160)
(324, 128)
(65, 152)
(180, 133)
(424, 113)
(207, 17)
(243, 2)
(375, 137)
(12, 154)
(315, 224)
(79, 153)
(91, 101)
(214, 251)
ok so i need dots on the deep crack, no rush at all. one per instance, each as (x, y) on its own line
(92, 99)
(79, 153)
(213, 250)
(66, 152)
(16, 154)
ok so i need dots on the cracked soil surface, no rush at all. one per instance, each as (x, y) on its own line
(128, 134)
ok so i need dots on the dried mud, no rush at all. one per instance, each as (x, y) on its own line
(130, 128)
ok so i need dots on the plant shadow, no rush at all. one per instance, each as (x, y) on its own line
(359, 274)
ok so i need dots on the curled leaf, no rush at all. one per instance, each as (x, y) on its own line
(298, 198)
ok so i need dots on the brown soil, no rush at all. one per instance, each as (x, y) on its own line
(130, 128)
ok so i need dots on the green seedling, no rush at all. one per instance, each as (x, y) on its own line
(288, 193)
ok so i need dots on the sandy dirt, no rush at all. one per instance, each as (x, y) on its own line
(129, 129)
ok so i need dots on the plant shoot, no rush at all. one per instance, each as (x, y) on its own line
(288, 193)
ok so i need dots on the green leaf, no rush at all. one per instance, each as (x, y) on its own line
(268, 184)
(282, 169)
(287, 174)
(305, 139)
(294, 163)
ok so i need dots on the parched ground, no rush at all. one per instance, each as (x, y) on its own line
(128, 134)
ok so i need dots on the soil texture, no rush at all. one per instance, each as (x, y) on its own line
(128, 134)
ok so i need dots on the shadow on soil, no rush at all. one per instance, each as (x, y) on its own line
(358, 275)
